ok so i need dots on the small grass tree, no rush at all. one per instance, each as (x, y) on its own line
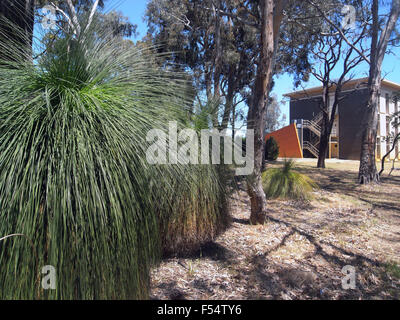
(286, 183)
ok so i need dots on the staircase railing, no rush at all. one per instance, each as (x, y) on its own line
(315, 128)
(308, 146)
(318, 118)
(315, 141)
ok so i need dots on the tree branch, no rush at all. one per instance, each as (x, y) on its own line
(390, 151)
(94, 9)
(74, 17)
(339, 30)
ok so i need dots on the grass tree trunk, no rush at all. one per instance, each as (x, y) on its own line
(368, 172)
(271, 17)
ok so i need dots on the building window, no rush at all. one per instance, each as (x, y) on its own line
(378, 130)
(388, 143)
(387, 103)
(396, 118)
(378, 148)
(379, 102)
(387, 126)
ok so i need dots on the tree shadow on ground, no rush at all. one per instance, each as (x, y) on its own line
(344, 182)
(306, 282)
(211, 250)
(268, 278)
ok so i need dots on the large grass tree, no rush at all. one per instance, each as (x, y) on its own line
(76, 190)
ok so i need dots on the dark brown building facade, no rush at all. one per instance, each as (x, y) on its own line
(345, 141)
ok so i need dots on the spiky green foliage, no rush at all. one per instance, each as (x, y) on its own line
(286, 183)
(74, 179)
(271, 149)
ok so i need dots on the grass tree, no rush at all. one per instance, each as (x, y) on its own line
(74, 180)
(286, 183)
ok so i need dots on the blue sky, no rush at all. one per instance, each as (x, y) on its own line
(135, 10)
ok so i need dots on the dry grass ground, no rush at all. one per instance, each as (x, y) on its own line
(301, 250)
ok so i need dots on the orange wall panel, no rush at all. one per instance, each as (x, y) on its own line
(288, 141)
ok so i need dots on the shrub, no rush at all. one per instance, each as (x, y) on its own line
(286, 183)
(73, 172)
(271, 149)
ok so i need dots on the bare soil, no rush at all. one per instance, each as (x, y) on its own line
(300, 251)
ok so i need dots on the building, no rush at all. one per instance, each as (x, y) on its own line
(288, 140)
(345, 140)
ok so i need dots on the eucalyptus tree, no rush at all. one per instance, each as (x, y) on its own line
(18, 17)
(334, 60)
(271, 16)
(379, 43)
(383, 35)
(218, 52)
(59, 18)
(67, 16)
(256, 45)
(277, 41)
(275, 118)
(331, 57)
(67, 12)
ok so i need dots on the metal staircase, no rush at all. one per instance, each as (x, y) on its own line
(312, 149)
(314, 126)
(318, 118)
